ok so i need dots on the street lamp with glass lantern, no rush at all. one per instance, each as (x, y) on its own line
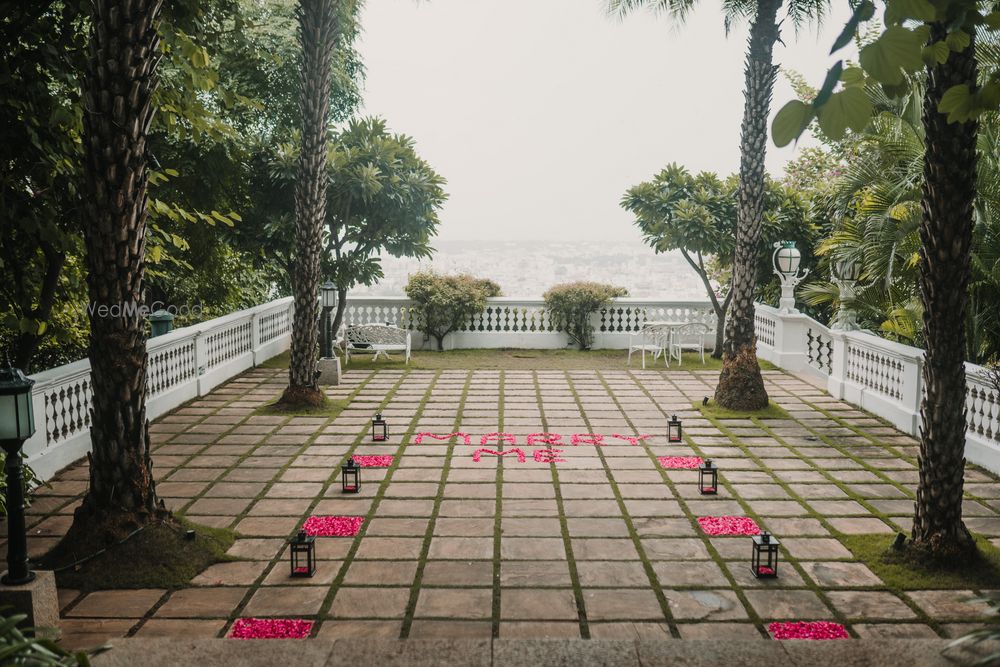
(328, 298)
(17, 424)
(786, 260)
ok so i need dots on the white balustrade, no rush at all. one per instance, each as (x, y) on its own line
(183, 364)
(878, 375)
(525, 323)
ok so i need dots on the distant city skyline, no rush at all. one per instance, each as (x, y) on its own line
(540, 114)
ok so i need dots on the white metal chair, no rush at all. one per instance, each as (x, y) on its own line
(688, 338)
(649, 339)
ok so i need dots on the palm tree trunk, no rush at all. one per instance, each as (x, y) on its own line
(118, 109)
(946, 234)
(741, 386)
(318, 29)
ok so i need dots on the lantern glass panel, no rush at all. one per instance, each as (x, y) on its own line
(17, 419)
(328, 295)
(674, 430)
(788, 258)
(380, 428)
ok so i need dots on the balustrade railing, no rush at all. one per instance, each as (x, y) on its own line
(881, 376)
(525, 323)
(182, 365)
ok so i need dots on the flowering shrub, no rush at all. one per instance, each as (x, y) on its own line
(444, 303)
(572, 303)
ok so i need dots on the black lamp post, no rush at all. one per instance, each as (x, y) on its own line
(17, 424)
(328, 296)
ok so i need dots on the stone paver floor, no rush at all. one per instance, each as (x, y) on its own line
(573, 541)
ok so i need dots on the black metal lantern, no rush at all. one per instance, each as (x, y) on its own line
(764, 559)
(708, 478)
(17, 424)
(380, 428)
(675, 432)
(302, 554)
(350, 476)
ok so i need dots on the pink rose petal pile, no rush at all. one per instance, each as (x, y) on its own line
(333, 526)
(728, 525)
(679, 462)
(373, 461)
(808, 630)
(270, 628)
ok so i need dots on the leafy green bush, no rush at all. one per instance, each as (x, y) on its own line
(30, 647)
(572, 303)
(443, 303)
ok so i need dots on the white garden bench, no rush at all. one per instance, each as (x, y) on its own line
(378, 339)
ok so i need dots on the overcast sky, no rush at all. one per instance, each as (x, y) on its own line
(541, 113)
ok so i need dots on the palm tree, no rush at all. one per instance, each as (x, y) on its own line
(319, 27)
(121, 76)
(741, 386)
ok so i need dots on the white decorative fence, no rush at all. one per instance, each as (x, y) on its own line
(183, 364)
(525, 323)
(881, 376)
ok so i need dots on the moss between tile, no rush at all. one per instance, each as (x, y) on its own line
(713, 411)
(905, 574)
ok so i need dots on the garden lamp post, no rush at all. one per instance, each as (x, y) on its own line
(328, 297)
(786, 260)
(846, 273)
(17, 424)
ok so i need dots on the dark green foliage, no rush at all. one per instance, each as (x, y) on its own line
(32, 648)
(571, 305)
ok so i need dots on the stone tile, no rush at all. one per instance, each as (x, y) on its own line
(289, 601)
(612, 573)
(425, 629)
(387, 573)
(781, 604)
(469, 603)
(457, 573)
(256, 548)
(217, 602)
(710, 605)
(341, 629)
(689, 573)
(551, 604)
(860, 525)
(870, 605)
(836, 574)
(529, 573)
(534, 630)
(186, 628)
(615, 604)
(370, 602)
(389, 547)
(818, 547)
(532, 548)
(950, 604)
(894, 631)
(630, 630)
(461, 548)
(603, 549)
(117, 603)
(81, 634)
(716, 631)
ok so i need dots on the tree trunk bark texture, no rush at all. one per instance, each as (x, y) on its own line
(741, 386)
(121, 78)
(949, 192)
(318, 29)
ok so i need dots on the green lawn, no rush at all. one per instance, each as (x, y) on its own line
(509, 359)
